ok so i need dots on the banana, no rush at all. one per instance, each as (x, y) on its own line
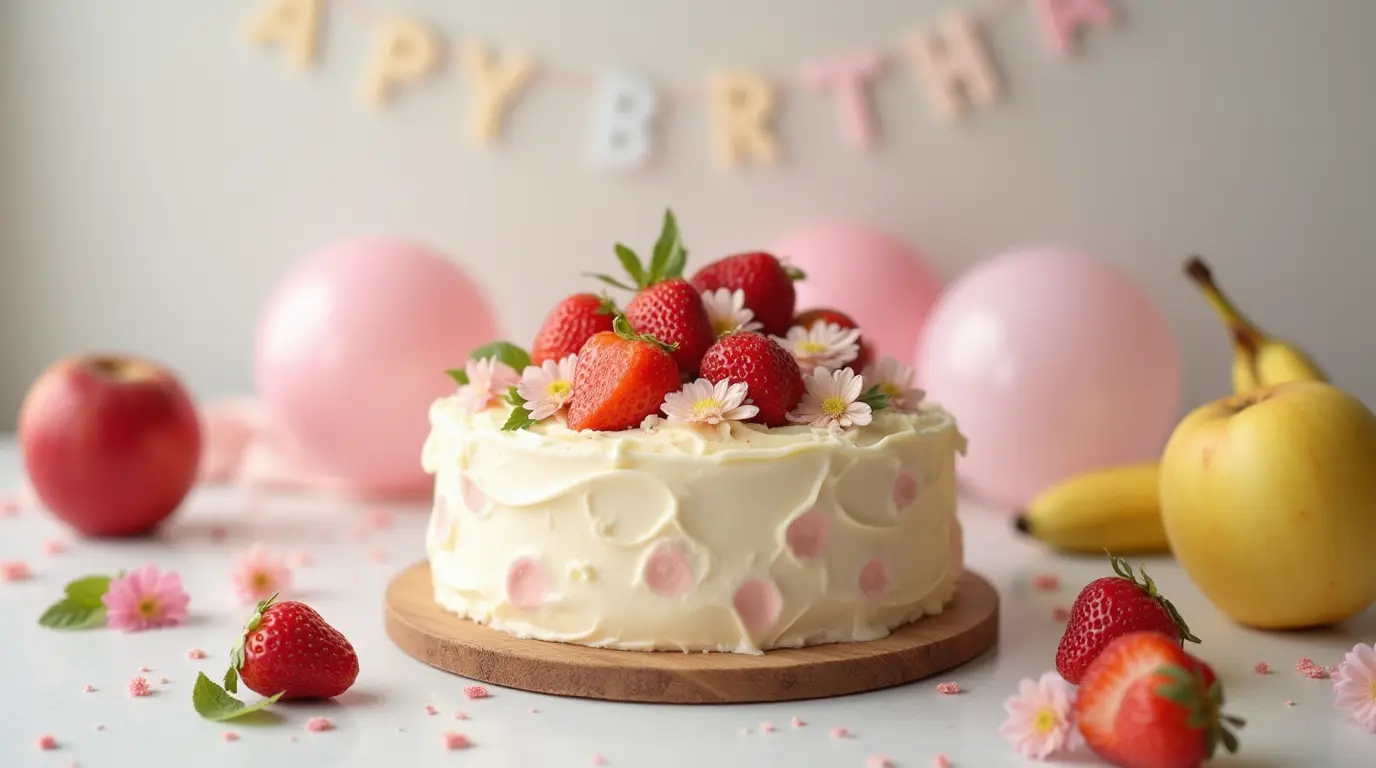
(1116, 509)
(1259, 360)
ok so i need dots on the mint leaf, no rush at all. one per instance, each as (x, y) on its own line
(459, 375)
(88, 591)
(669, 257)
(505, 352)
(67, 614)
(631, 263)
(214, 704)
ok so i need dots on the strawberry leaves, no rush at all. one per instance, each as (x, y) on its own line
(81, 606)
(876, 398)
(667, 261)
(237, 653)
(1124, 570)
(505, 352)
(622, 327)
(214, 704)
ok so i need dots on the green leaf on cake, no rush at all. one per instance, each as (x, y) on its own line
(459, 375)
(520, 417)
(505, 352)
(81, 606)
(875, 398)
(215, 704)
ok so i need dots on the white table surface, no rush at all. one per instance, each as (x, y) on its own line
(382, 719)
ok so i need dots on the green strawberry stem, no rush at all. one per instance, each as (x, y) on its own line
(666, 261)
(1123, 569)
(623, 328)
(237, 653)
(793, 272)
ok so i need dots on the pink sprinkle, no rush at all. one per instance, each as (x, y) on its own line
(460, 715)
(1060, 613)
(164, 681)
(475, 692)
(379, 517)
(948, 689)
(766, 727)
(797, 722)
(54, 547)
(378, 555)
(1262, 668)
(1047, 581)
(1306, 666)
(878, 761)
(1289, 702)
(139, 687)
(533, 710)
(14, 571)
(430, 710)
(145, 668)
(599, 760)
(319, 724)
(195, 653)
(100, 727)
(218, 533)
(941, 761)
(456, 740)
(840, 733)
(302, 558)
(88, 688)
(47, 741)
(9, 507)
(229, 736)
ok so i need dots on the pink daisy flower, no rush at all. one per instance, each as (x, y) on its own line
(1354, 684)
(145, 599)
(259, 575)
(1040, 716)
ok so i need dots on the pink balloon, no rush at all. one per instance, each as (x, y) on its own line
(1053, 363)
(351, 351)
(875, 278)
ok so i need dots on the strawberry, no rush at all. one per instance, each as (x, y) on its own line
(665, 305)
(1145, 703)
(288, 648)
(766, 283)
(813, 316)
(571, 323)
(621, 378)
(1110, 607)
(771, 374)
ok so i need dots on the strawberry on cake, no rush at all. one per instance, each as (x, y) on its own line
(703, 470)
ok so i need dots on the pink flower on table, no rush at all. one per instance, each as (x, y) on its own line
(1040, 717)
(547, 387)
(1354, 685)
(259, 575)
(145, 599)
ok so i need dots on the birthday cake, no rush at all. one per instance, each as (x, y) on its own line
(701, 471)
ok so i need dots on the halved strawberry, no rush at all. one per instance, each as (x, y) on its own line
(765, 281)
(621, 378)
(770, 373)
(570, 324)
(665, 305)
(1145, 703)
(836, 317)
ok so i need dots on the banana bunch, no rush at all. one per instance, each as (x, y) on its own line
(1118, 508)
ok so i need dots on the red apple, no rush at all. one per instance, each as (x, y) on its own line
(111, 443)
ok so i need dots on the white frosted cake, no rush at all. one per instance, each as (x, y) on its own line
(703, 470)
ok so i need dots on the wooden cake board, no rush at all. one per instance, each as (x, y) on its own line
(967, 628)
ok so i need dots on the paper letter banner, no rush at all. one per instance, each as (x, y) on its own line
(948, 56)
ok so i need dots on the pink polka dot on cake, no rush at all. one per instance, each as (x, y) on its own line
(758, 604)
(527, 584)
(874, 578)
(666, 571)
(807, 535)
(473, 497)
(904, 490)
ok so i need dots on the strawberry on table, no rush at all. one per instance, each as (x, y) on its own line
(621, 378)
(840, 319)
(771, 374)
(287, 647)
(665, 306)
(765, 281)
(1145, 703)
(1110, 607)
(570, 324)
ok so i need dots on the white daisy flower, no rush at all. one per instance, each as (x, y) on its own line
(707, 403)
(726, 309)
(825, 345)
(488, 382)
(832, 400)
(895, 380)
(547, 387)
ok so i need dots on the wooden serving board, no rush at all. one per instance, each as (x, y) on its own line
(424, 630)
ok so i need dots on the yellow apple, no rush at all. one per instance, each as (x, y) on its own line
(1269, 504)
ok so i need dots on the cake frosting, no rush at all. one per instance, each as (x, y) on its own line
(691, 537)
